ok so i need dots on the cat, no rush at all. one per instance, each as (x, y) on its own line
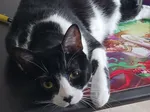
(60, 44)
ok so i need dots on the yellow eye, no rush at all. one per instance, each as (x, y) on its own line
(48, 85)
(74, 75)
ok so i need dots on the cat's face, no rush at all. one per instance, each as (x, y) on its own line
(62, 72)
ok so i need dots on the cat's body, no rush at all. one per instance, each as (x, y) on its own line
(42, 24)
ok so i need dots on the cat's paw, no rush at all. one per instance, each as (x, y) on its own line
(100, 88)
(100, 98)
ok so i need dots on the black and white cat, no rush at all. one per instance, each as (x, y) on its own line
(59, 43)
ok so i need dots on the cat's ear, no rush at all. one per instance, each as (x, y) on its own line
(24, 58)
(72, 40)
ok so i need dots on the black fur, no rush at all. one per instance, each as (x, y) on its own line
(108, 77)
(108, 6)
(129, 9)
(48, 47)
(94, 66)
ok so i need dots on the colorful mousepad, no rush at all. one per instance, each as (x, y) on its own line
(128, 54)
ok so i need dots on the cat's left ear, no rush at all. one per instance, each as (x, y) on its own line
(72, 40)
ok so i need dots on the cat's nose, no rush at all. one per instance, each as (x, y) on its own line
(68, 99)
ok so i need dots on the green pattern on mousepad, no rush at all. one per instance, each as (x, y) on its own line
(128, 54)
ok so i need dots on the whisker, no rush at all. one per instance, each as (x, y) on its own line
(36, 65)
(89, 104)
(72, 58)
(47, 106)
(86, 91)
(87, 88)
(45, 67)
(93, 99)
(54, 108)
(58, 65)
(43, 102)
(86, 95)
(108, 105)
(76, 105)
(83, 103)
(87, 98)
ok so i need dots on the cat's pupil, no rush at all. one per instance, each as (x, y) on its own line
(76, 73)
(47, 84)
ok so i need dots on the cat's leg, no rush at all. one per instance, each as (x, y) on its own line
(144, 13)
(100, 88)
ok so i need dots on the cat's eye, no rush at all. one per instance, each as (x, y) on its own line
(48, 85)
(74, 75)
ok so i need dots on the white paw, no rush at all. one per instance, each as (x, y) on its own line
(100, 90)
(100, 98)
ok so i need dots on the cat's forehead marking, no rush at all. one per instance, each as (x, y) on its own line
(64, 24)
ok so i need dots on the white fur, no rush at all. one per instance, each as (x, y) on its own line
(63, 22)
(144, 13)
(25, 45)
(99, 89)
(115, 18)
(16, 42)
(67, 90)
(100, 25)
(28, 37)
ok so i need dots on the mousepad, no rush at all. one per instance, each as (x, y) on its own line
(128, 52)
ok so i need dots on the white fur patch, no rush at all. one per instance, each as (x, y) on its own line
(16, 42)
(115, 18)
(117, 2)
(30, 28)
(67, 90)
(99, 89)
(63, 22)
(100, 25)
(28, 38)
(144, 13)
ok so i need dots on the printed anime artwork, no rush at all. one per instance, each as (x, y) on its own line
(128, 53)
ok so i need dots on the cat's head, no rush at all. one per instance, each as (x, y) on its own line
(62, 71)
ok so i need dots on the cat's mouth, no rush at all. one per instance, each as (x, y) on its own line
(72, 100)
(67, 101)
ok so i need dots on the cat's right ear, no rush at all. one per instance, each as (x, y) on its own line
(24, 58)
